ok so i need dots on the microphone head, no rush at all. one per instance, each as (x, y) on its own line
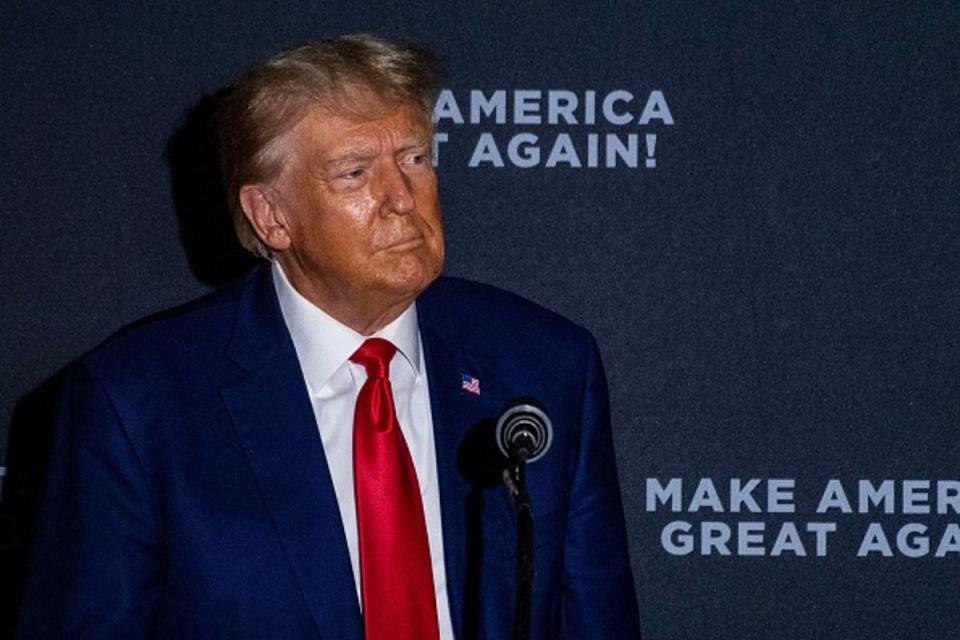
(524, 431)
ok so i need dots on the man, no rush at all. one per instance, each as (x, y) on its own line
(301, 454)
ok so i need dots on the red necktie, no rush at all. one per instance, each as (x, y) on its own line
(395, 572)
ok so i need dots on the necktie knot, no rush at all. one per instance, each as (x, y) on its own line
(374, 355)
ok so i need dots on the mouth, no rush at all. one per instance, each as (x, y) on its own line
(405, 244)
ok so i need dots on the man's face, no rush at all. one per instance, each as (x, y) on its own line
(358, 203)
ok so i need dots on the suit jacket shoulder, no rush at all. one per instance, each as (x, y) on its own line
(159, 340)
(485, 319)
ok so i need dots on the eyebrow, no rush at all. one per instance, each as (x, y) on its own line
(415, 140)
(349, 157)
(411, 141)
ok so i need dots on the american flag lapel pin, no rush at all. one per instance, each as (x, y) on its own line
(469, 384)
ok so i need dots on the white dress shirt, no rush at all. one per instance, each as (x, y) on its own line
(324, 346)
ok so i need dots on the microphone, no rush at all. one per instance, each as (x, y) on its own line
(524, 434)
(524, 431)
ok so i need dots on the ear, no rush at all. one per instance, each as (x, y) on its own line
(266, 218)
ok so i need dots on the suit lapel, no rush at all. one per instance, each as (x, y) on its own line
(458, 417)
(274, 420)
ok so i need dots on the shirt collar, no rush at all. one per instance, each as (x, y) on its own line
(323, 343)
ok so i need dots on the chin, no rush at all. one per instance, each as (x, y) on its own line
(411, 279)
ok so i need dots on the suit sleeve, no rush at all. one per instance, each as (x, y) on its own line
(95, 568)
(599, 599)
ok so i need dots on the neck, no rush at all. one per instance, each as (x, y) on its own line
(364, 311)
(366, 323)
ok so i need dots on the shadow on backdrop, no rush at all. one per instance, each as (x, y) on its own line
(28, 453)
(215, 258)
(206, 228)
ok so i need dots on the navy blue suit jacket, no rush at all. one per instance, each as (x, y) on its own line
(189, 496)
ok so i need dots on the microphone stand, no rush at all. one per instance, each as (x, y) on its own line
(513, 477)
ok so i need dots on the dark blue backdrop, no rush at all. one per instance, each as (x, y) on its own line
(777, 299)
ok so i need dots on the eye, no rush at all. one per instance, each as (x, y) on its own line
(418, 158)
(349, 180)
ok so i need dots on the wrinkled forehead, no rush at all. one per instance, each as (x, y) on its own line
(324, 133)
(325, 117)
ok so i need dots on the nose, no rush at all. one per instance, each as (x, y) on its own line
(397, 189)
